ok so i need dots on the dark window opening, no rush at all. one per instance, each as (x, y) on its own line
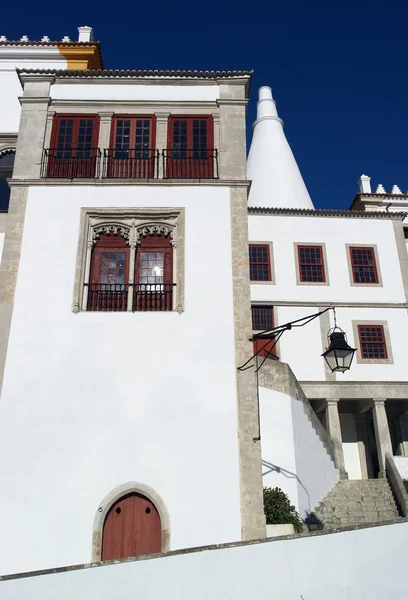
(372, 342)
(311, 267)
(259, 262)
(6, 172)
(363, 265)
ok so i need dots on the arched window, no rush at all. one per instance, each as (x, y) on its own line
(6, 171)
(130, 260)
(131, 268)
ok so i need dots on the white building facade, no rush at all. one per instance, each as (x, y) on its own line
(134, 273)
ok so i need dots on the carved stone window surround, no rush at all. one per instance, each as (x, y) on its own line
(132, 225)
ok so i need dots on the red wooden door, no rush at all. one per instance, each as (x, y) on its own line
(132, 528)
(74, 142)
(132, 153)
(190, 152)
(154, 274)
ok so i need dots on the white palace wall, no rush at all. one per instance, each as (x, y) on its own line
(293, 456)
(353, 303)
(348, 565)
(91, 401)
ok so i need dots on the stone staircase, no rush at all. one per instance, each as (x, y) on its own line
(354, 502)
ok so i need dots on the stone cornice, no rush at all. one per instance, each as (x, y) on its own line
(232, 183)
(131, 104)
(34, 100)
(234, 101)
(306, 212)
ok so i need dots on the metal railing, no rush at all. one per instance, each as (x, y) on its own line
(153, 296)
(111, 297)
(190, 163)
(130, 163)
(120, 297)
(71, 163)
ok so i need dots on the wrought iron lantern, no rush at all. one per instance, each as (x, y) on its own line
(339, 354)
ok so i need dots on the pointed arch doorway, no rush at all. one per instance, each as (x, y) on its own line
(132, 527)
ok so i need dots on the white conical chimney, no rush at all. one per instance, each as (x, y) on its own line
(276, 179)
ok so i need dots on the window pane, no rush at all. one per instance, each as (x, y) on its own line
(372, 341)
(363, 265)
(259, 264)
(262, 318)
(311, 266)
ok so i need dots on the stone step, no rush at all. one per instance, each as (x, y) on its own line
(355, 502)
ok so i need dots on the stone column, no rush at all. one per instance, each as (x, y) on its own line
(382, 433)
(333, 426)
(216, 119)
(104, 135)
(48, 129)
(232, 149)
(33, 122)
(162, 124)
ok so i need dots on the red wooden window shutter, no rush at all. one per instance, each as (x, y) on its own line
(262, 320)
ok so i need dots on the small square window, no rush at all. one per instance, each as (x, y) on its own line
(259, 262)
(311, 264)
(372, 342)
(363, 265)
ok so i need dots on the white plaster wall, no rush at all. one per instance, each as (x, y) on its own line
(10, 87)
(316, 472)
(278, 445)
(293, 456)
(134, 90)
(401, 462)
(350, 565)
(335, 233)
(94, 400)
(350, 445)
(302, 346)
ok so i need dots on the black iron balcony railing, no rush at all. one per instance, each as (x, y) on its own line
(116, 297)
(71, 163)
(107, 296)
(190, 163)
(130, 163)
(153, 296)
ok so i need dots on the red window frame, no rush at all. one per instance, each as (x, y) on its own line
(310, 270)
(362, 271)
(105, 296)
(70, 158)
(373, 345)
(56, 126)
(132, 159)
(155, 295)
(190, 158)
(266, 315)
(259, 262)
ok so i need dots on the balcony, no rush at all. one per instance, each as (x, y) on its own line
(129, 163)
(71, 163)
(121, 297)
(190, 163)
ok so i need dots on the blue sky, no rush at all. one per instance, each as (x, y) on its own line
(338, 70)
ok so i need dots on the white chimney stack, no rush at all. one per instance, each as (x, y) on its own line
(364, 184)
(85, 34)
(275, 175)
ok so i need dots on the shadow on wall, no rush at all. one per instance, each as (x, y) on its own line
(288, 474)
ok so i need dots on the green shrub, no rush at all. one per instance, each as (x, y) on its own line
(279, 510)
(405, 483)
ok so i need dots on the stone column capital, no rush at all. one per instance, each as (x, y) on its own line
(379, 401)
(162, 116)
(105, 116)
(333, 402)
